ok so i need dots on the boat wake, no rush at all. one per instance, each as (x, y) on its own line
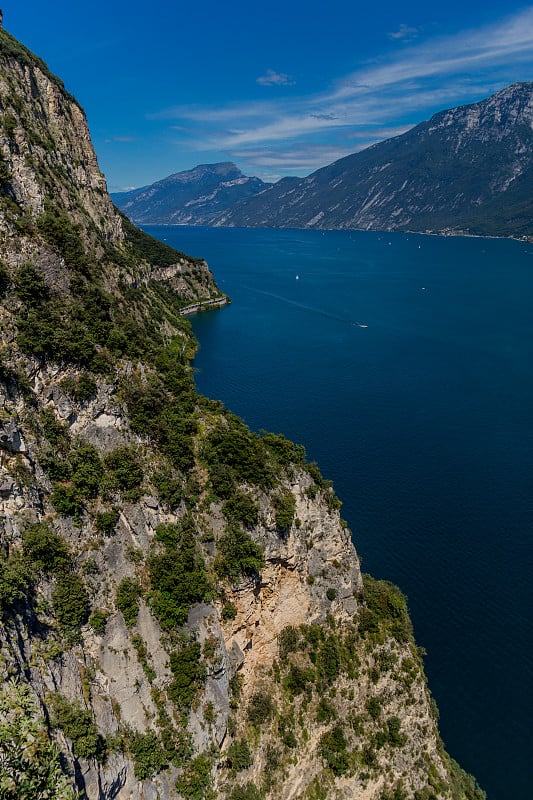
(304, 307)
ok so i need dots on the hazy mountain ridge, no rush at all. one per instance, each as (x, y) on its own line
(192, 197)
(468, 169)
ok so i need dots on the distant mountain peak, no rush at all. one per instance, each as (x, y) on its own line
(190, 197)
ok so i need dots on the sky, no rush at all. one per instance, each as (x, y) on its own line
(280, 88)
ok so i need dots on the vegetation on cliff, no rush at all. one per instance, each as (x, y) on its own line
(182, 608)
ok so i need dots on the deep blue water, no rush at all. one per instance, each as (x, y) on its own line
(424, 421)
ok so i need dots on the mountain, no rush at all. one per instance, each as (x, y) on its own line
(193, 197)
(468, 169)
(183, 614)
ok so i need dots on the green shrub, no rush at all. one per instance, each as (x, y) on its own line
(30, 285)
(288, 640)
(80, 388)
(260, 708)
(373, 706)
(289, 739)
(5, 280)
(386, 607)
(125, 471)
(240, 507)
(31, 762)
(67, 501)
(247, 792)
(55, 431)
(331, 594)
(325, 712)
(239, 755)
(189, 675)
(238, 555)
(233, 445)
(177, 576)
(87, 470)
(77, 723)
(169, 488)
(98, 620)
(71, 604)
(285, 507)
(16, 578)
(127, 599)
(333, 748)
(298, 679)
(229, 611)
(195, 780)
(106, 521)
(149, 756)
(46, 550)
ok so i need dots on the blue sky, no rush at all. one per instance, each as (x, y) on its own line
(281, 88)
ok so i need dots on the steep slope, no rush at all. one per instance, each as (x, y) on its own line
(193, 197)
(469, 169)
(182, 609)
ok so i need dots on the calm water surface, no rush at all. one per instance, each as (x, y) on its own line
(424, 421)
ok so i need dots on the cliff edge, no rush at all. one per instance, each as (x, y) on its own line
(183, 612)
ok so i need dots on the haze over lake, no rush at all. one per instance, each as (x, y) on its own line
(403, 364)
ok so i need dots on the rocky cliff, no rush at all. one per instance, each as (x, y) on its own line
(183, 613)
(192, 197)
(466, 170)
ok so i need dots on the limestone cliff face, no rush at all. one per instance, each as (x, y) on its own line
(182, 609)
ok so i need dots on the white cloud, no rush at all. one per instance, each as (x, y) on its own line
(272, 78)
(405, 33)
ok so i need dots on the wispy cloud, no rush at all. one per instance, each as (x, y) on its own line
(272, 78)
(390, 93)
(121, 139)
(405, 33)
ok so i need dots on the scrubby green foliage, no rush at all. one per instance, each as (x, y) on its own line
(260, 708)
(80, 388)
(149, 755)
(333, 746)
(240, 507)
(98, 620)
(285, 507)
(177, 575)
(195, 781)
(247, 792)
(162, 405)
(385, 610)
(30, 763)
(238, 555)
(231, 444)
(239, 755)
(58, 230)
(45, 549)
(71, 604)
(125, 472)
(152, 250)
(128, 593)
(229, 611)
(16, 577)
(189, 675)
(106, 521)
(77, 723)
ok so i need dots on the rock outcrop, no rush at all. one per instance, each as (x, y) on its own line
(183, 612)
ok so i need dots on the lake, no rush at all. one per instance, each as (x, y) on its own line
(403, 363)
